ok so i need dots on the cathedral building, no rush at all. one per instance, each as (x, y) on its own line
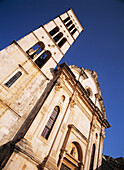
(51, 116)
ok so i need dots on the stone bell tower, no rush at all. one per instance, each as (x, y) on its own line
(48, 44)
(26, 79)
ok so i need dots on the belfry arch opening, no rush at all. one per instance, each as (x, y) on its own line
(36, 50)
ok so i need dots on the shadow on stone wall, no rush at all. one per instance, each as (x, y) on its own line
(7, 149)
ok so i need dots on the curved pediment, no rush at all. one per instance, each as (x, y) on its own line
(89, 81)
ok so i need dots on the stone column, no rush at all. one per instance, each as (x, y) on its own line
(102, 136)
(90, 144)
(61, 156)
(63, 150)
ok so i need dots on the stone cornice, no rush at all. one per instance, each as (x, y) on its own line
(106, 123)
(26, 150)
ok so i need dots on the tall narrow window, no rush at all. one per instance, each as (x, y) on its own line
(67, 19)
(35, 50)
(13, 79)
(58, 36)
(92, 157)
(42, 59)
(73, 31)
(69, 23)
(71, 27)
(50, 123)
(54, 31)
(62, 42)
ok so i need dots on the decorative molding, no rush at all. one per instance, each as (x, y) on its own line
(101, 115)
(94, 123)
(58, 86)
(72, 103)
(94, 76)
(49, 163)
(24, 147)
(98, 96)
(71, 126)
(102, 132)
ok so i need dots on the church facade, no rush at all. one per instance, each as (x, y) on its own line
(51, 116)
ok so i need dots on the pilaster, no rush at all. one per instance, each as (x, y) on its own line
(102, 136)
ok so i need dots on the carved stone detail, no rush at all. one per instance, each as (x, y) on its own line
(72, 103)
(75, 94)
(58, 86)
(63, 77)
(102, 133)
(94, 123)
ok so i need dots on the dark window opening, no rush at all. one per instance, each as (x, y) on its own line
(40, 61)
(54, 31)
(71, 27)
(73, 31)
(50, 123)
(35, 50)
(65, 20)
(62, 42)
(13, 79)
(92, 157)
(64, 167)
(96, 135)
(69, 23)
(88, 92)
(58, 36)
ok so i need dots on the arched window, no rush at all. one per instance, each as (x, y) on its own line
(13, 79)
(50, 123)
(62, 42)
(73, 31)
(67, 19)
(38, 54)
(36, 49)
(58, 36)
(71, 27)
(54, 31)
(43, 58)
(69, 23)
(92, 157)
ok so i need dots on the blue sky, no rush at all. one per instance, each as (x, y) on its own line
(100, 47)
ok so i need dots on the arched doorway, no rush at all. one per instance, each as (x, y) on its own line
(73, 157)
